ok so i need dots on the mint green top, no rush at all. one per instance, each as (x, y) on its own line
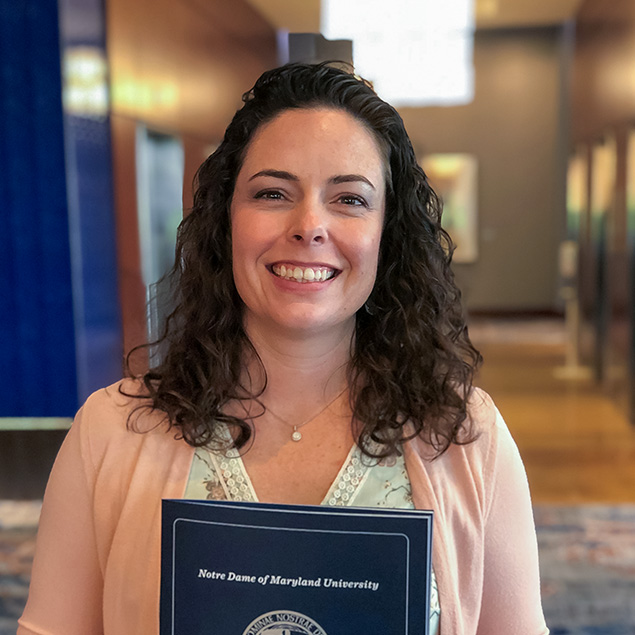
(361, 482)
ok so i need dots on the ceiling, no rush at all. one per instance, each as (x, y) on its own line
(303, 16)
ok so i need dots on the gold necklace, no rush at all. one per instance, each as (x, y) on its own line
(296, 435)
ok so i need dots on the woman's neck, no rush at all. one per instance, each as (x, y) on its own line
(302, 373)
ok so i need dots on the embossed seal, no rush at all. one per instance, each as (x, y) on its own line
(284, 623)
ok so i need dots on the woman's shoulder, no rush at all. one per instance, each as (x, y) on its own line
(490, 432)
(115, 402)
(486, 433)
(123, 394)
(483, 415)
(477, 452)
(117, 433)
(482, 424)
(477, 463)
(121, 412)
(491, 456)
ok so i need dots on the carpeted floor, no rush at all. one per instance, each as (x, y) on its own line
(18, 522)
(587, 557)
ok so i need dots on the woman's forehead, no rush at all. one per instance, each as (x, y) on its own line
(315, 138)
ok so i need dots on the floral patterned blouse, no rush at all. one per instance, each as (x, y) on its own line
(360, 483)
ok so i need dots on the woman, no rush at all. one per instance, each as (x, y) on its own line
(316, 325)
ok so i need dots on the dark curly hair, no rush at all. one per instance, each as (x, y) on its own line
(411, 360)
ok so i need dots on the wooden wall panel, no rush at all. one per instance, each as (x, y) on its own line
(182, 66)
(179, 68)
(603, 86)
(131, 288)
(196, 151)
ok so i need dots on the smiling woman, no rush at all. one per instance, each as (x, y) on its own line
(316, 354)
(306, 231)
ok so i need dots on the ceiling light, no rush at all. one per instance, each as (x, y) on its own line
(419, 52)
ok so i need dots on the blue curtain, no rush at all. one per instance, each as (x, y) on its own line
(60, 326)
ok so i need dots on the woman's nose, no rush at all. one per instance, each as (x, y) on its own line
(308, 224)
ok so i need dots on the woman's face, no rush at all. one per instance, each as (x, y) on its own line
(307, 216)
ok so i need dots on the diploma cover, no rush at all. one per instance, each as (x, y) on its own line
(230, 568)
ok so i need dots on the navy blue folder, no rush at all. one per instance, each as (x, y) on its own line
(232, 568)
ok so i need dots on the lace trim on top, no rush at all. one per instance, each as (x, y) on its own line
(215, 476)
(223, 477)
(360, 482)
(349, 480)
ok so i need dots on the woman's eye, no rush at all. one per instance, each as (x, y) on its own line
(270, 195)
(351, 199)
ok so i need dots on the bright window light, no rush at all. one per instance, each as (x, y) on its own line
(416, 52)
(85, 82)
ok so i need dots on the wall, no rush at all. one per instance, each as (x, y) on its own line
(603, 107)
(179, 67)
(603, 86)
(515, 128)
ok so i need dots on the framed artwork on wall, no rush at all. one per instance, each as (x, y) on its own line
(577, 195)
(604, 165)
(454, 178)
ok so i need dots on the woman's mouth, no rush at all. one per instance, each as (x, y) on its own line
(303, 274)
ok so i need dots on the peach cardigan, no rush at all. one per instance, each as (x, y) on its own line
(97, 562)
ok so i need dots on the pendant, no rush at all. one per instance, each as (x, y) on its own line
(296, 436)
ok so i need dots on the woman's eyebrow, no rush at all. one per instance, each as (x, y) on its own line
(348, 178)
(276, 174)
(287, 176)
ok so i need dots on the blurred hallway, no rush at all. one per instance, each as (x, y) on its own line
(576, 444)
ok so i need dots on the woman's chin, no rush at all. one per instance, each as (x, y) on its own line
(301, 324)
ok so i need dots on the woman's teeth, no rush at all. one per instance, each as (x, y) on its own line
(303, 274)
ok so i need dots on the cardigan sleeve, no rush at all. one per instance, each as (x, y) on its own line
(511, 600)
(65, 594)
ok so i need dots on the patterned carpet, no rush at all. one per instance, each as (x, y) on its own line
(18, 522)
(587, 557)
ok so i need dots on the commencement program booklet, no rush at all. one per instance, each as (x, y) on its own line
(231, 568)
